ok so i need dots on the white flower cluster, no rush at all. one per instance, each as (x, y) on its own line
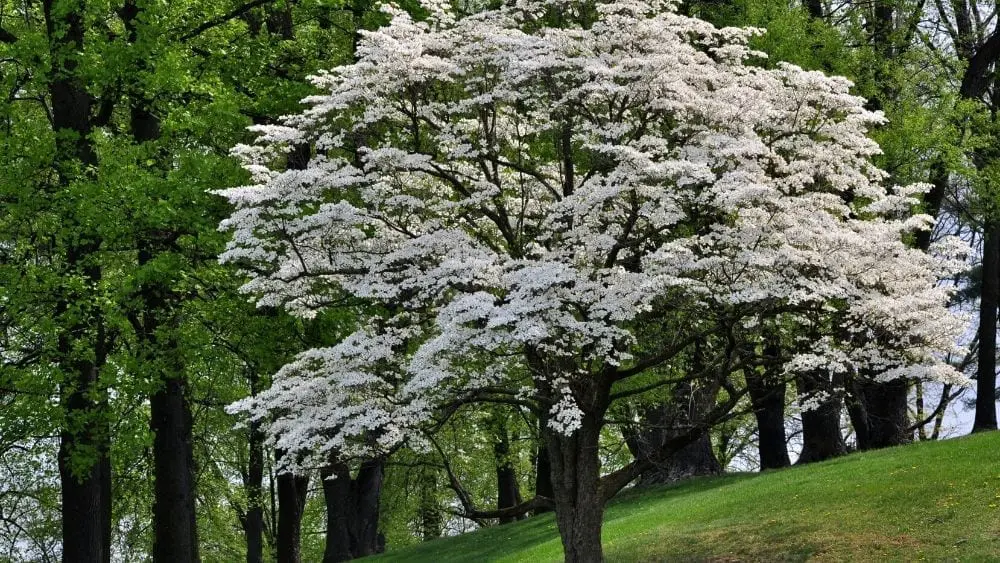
(507, 190)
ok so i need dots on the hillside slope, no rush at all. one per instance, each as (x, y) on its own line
(931, 501)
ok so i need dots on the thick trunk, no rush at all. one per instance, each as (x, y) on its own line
(767, 396)
(576, 477)
(367, 490)
(986, 404)
(175, 534)
(887, 405)
(292, 491)
(339, 513)
(352, 511)
(662, 425)
(821, 436)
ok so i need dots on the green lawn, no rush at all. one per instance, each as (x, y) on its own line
(929, 501)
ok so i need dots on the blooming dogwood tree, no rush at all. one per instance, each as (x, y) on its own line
(542, 202)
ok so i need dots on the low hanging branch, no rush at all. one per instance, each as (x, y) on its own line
(468, 507)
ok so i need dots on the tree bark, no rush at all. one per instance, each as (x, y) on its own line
(253, 523)
(352, 510)
(175, 531)
(292, 490)
(986, 410)
(339, 510)
(508, 491)
(886, 405)
(84, 465)
(821, 436)
(543, 473)
(662, 424)
(431, 523)
(576, 487)
(767, 397)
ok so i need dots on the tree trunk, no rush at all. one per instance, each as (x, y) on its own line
(508, 491)
(886, 404)
(543, 474)
(85, 493)
(367, 489)
(339, 512)
(352, 510)
(175, 532)
(664, 423)
(292, 490)
(84, 465)
(431, 524)
(986, 405)
(576, 473)
(821, 437)
(767, 396)
(253, 524)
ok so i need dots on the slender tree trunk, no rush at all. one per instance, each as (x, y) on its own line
(431, 524)
(508, 491)
(543, 472)
(253, 524)
(821, 436)
(986, 405)
(576, 477)
(292, 490)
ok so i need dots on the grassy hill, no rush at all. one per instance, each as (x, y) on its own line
(928, 501)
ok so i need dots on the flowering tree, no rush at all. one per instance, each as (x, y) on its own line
(541, 203)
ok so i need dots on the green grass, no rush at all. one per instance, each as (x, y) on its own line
(929, 501)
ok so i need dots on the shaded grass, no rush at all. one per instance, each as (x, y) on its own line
(930, 501)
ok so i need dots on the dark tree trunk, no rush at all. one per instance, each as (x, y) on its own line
(292, 490)
(986, 376)
(886, 405)
(767, 396)
(84, 465)
(86, 490)
(352, 510)
(576, 473)
(253, 523)
(367, 489)
(339, 513)
(815, 8)
(662, 425)
(175, 532)
(821, 436)
(508, 491)
(857, 411)
(543, 474)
